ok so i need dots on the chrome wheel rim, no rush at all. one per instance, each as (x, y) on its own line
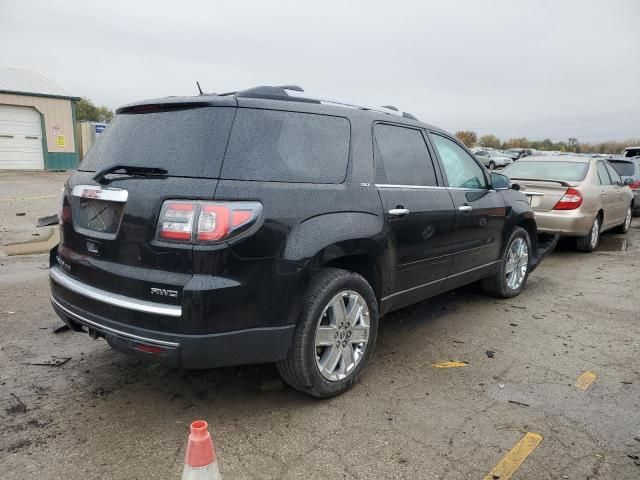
(627, 220)
(342, 335)
(517, 263)
(595, 232)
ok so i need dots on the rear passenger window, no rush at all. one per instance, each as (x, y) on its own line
(603, 176)
(278, 146)
(615, 178)
(402, 157)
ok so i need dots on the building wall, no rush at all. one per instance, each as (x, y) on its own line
(58, 115)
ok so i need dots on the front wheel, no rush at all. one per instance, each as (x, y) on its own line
(513, 271)
(492, 165)
(589, 242)
(335, 335)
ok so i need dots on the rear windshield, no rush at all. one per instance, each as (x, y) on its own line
(624, 169)
(271, 145)
(545, 170)
(186, 143)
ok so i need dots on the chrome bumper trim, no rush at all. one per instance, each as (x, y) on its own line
(103, 328)
(64, 280)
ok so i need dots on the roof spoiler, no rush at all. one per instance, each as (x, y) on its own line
(561, 182)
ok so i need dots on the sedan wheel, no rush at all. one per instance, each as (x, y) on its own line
(589, 242)
(624, 228)
(492, 165)
(595, 233)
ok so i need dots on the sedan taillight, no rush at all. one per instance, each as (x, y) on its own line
(571, 200)
(206, 222)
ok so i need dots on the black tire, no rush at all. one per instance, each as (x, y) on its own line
(299, 369)
(492, 165)
(496, 285)
(586, 243)
(624, 227)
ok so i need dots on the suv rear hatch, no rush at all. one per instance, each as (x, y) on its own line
(171, 150)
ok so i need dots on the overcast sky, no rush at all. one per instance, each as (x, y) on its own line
(533, 68)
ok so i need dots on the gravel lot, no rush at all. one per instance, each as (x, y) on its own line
(106, 415)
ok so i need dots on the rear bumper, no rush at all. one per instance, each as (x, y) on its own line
(258, 345)
(565, 222)
(206, 350)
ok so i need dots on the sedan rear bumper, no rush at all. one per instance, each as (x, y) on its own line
(568, 223)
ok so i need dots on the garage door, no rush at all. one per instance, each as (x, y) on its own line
(20, 138)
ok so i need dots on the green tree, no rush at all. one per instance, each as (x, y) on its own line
(469, 138)
(87, 111)
(490, 141)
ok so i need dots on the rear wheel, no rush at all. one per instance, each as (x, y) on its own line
(492, 165)
(513, 271)
(589, 242)
(335, 335)
(624, 227)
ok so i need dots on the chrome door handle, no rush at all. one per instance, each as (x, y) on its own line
(465, 208)
(399, 212)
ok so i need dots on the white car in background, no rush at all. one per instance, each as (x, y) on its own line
(493, 159)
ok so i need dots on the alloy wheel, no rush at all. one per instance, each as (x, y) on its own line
(342, 335)
(627, 219)
(595, 233)
(517, 263)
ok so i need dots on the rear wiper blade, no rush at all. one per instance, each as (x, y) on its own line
(128, 169)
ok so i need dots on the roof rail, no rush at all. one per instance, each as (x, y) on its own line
(296, 93)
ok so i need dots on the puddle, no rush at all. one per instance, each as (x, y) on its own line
(613, 244)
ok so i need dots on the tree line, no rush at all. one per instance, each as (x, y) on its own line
(471, 139)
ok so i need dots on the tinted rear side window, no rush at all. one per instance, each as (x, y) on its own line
(186, 143)
(402, 157)
(271, 145)
(625, 169)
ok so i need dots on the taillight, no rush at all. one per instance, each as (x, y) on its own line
(635, 185)
(176, 221)
(206, 222)
(571, 200)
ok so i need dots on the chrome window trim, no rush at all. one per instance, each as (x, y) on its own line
(62, 279)
(101, 193)
(106, 329)
(429, 187)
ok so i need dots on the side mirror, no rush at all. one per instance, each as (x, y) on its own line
(500, 181)
(628, 181)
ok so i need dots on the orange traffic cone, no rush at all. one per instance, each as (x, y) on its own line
(200, 461)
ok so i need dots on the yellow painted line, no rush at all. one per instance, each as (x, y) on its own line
(450, 364)
(512, 460)
(586, 379)
(27, 198)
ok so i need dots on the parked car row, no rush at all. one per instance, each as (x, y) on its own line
(279, 226)
(576, 196)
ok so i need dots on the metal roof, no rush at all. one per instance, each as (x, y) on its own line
(15, 80)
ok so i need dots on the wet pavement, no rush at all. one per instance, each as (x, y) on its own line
(559, 392)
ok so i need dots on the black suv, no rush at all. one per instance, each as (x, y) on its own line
(268, 226)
